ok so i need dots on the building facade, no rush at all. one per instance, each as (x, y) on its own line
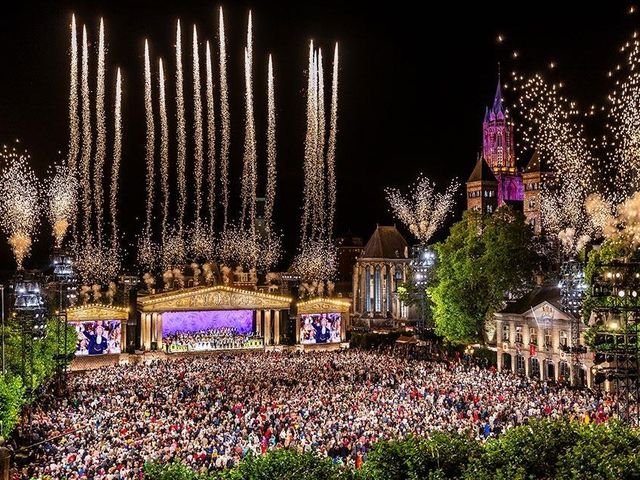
(383, 265)
(533, 338)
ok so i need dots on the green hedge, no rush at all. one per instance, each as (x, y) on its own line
(540, 450)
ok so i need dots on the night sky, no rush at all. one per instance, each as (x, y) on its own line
(413, 87)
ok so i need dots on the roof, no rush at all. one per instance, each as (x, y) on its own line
(482, 172)
(536, 164)
(386, 242)
(540, 294)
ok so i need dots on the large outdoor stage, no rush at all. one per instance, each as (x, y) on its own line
(201, 320)
(212, 318)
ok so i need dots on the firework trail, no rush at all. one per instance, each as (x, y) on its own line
(197, 119)
(211, 142)
(150, 146)
(249, 172)
(115, 168)
(86, 139)
(181, 132)
(164, 151)
(226, 123)
(271, 149)
(101, 134)
(331, 148)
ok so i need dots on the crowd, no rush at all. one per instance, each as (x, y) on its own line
(223, 338)
(211, 411)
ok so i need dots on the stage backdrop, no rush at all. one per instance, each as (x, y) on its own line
(197, 321)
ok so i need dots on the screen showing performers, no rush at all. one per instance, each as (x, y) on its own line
(320, 328)
(209, 330)
(99, 337)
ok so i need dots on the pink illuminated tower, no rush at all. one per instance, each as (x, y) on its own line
(499, 154)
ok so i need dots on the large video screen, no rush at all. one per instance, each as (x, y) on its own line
(239, 322)
(320, 328)
(99, 337)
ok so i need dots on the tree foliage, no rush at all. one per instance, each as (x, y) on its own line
(543, 449)
(484, 259)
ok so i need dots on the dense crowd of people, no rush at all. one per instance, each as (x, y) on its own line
(223, 338)
(211, 411)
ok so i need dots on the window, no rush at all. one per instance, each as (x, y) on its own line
(532, 203)
(519, 334)
(564, 340)
(533, 335)
(532, 222)
(489, 208)
(505, 333)
(520, 363)
(547, 338)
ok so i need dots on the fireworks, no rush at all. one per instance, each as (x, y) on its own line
(150, 160)
(249, 170)
(226, 122)
(97, 264)
(425, 210)
(236, 247)
(319, 173)
(211, 142)
(115, 168)
(164, 152)
(74, 121)
(560, 141)
(271, 149)
(316, 261)
(62, 191)
(19, 204)
(85, 183)
(181, 133)
(331, 148)
(101, 134)
(624, 126)
(198, 153)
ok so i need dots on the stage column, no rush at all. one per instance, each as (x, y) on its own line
(276, 327)
(267, 327)
(259, 322)
(146, 331)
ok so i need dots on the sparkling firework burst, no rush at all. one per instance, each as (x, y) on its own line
(19, 204)
(62, 193)
(551, 127)
(97, 264)
(425, 210)
(316, 262)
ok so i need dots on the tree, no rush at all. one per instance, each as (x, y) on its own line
(485, 259)
(11, 401)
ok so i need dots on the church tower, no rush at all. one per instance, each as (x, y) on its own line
(497, 137)
(499, 158)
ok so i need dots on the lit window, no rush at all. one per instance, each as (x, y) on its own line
(533, 335)
(564, 339)
(505, 333)
(519, 334)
